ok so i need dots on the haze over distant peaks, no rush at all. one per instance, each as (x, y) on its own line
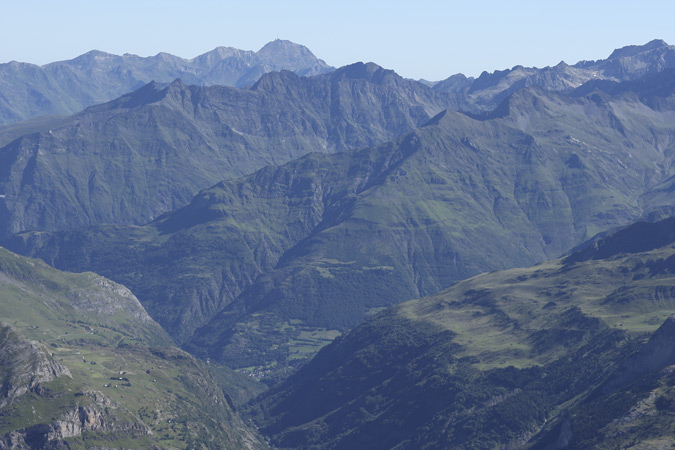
(625, 64)
(66, 87)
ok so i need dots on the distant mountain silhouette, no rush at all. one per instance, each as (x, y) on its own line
(66, 87)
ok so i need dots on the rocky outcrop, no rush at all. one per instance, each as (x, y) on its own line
(23, 365)
(93, 417)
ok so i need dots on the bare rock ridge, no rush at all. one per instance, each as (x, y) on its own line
(484, 93)
(94, 418)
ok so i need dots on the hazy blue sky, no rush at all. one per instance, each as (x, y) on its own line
(429, 39)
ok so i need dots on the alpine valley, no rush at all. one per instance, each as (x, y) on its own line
(258, 250)
(574, 353)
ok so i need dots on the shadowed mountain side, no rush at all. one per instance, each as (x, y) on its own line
(639, 237)
(148, 152)
(494, 360)
(632, 407)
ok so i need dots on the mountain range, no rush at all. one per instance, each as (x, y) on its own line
(263, 270)
(66, 87)
(95, 167)
(150, 151)
(473, 263)
(486, 92)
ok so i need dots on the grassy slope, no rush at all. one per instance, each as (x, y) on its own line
(98, 331)
(490, 362)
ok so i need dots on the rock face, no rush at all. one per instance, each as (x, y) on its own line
(72, 424)
(66, 87)
(23, 366)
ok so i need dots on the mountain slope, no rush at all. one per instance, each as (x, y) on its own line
(150, 151)
(501, 360)
(83, 365)
(274, 265)
(66, 87)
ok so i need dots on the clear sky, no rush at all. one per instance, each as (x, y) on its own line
(429, 39)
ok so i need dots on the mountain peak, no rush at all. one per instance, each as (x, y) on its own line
(166, 57)
(281, 44)
(281, 51)
(656, 43)
(149, 93)
(177, 91)
(177, 84)
(286, 55)
(94, 53)
(633, 50)
(278, 81)
(92, 56)
(366, 71)
(217, 54)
